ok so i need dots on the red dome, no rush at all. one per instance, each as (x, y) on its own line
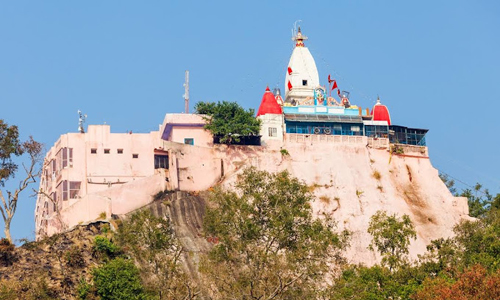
(268, 105)
(381, 113)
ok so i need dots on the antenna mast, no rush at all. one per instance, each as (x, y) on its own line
(81, 120)
(186, 93)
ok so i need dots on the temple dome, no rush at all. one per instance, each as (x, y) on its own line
(381, 113)
(302, 74)
(268, 105)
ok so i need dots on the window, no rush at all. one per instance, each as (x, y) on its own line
(74, 189)
(135, 155)
(189, 141)
(273, 131)
(64, 158)
(161, 161)
(355, 128)
(304, 82)
(106, 151)
(119, 151)
(93, 151)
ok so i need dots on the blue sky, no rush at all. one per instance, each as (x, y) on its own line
(435, 64)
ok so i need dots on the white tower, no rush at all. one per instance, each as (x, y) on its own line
(302, 75)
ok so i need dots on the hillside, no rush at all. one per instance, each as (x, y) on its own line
(351, 181)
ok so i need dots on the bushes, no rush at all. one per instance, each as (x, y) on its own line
(103, 245)
(118, 279)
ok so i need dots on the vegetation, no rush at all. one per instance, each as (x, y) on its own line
(118, 279)
(10, 147)
(228, 120)
(391, 237)
(152, 242)
(479, 200)
(270, 247)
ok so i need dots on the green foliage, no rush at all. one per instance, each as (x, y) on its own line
(10, 147)
(391, 236)
(84, 290)
(117, 279)
(152, 242)
(479, 200)
(228, 120)
(103, 246)
(270, 245)
(284, 152)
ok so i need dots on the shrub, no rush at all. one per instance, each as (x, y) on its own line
(376, 175)
(284, 152)
(117, 279)
(103, 245)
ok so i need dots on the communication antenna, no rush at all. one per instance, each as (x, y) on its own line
(81, 120)
(186, 93)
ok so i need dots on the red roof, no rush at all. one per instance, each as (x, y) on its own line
(381, 113)
(268, 105)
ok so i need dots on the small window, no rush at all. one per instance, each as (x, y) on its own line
(189, 141)
(119, 151)
(106, 151)
(355, 128)
(135, 155)
(161, 161)
(93, 150)
(304, 82)
(273, 131)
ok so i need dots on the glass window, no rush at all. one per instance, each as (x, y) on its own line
(189, 141)
(74, 189)
(161, 161)
(273, 131)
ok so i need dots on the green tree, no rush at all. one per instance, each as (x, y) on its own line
(391, 236)
(479, 201)
(228, 120)
(152, 242)
(268, 245)
(118, 279)
(10, 147)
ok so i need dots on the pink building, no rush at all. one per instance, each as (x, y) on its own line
(87, 174)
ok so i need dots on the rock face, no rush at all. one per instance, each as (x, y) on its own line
(352, 182)
(186, 211)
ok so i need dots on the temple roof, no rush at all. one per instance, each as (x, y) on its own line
(268, 105)
(381, 113)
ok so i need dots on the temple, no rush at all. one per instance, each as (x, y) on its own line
(309, 108)
(98, 174)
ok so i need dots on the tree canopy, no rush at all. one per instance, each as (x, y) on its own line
(268, 244)
(10, 147)
(228, 120)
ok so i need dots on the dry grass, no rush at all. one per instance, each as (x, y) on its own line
(324, 199)
(380, 188)
(376, 175)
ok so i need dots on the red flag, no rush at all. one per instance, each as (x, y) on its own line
(338, 92)
(334, 86)
(289, 70)
(289, 85)
(330, 79)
